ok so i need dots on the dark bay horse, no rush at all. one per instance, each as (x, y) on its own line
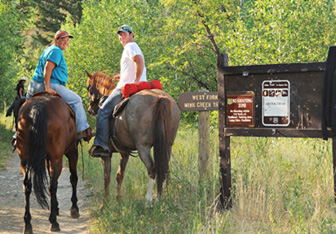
(150, 118)
(46, 131)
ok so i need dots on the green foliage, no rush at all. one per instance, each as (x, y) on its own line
(181, 39)
(275, 191)
(11, 42)
(283, 32)
(6, 133)
(50, 15)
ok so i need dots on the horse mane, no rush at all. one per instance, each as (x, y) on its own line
(103, 83)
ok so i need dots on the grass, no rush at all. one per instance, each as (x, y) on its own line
(280, 185)
(6, 133)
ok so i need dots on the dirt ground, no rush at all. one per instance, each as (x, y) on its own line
(12, 203)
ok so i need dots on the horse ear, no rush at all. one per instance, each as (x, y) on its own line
(89, 75)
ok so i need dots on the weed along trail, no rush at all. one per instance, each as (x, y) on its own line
(12, 203)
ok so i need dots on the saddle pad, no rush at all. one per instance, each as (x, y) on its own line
(132, 88)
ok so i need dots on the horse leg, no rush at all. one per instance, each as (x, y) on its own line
(149, 194)
(48, 164)
(56, 169)
(28, 229)
(72, 155)
(146, 158)
(106, 161)
(121, 171)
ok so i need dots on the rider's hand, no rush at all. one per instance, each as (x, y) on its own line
(50, 91)
(116, 77)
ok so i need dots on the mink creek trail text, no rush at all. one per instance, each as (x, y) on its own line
(198, 101)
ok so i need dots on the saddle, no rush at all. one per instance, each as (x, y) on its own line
(45, 93)
(128, 90)
(113, 138)
(119, 107)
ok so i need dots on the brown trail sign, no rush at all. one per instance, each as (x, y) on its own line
(277, 100)
(198, 101)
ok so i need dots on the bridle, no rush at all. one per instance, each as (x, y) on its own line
(97, 96)
(93, 91)
(94, 97)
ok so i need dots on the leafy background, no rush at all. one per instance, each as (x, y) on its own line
(275, 188)
(180, 39)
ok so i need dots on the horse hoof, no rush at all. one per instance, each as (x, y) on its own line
(55, 227)
(118, 197)
(28, 229)
(149, 203)
(74, 213)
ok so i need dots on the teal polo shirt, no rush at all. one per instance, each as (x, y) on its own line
(59, 73)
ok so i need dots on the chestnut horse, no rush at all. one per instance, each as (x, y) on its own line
(150, 118)
(46, 131)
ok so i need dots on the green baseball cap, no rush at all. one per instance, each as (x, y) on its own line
(125, 28)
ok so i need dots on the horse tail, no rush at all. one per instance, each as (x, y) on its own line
(37, 151)
(162, 149)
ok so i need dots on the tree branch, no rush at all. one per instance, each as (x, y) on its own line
(193, 76)
(210, 35)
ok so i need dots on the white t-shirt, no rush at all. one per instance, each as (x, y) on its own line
(127, 65)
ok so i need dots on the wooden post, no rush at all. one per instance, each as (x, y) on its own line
(203, 143)
(224, 142)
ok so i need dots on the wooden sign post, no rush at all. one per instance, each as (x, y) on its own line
(203, 102)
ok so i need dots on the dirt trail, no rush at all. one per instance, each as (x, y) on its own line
(12, 203)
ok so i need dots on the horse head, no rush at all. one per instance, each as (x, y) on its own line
(99, 86)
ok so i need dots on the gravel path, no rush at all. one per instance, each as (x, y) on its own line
(12, 203)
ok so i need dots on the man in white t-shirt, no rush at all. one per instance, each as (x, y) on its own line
(132, 70)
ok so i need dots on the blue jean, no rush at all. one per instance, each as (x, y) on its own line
(103, 119)
(73, 99)
(34, 87)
